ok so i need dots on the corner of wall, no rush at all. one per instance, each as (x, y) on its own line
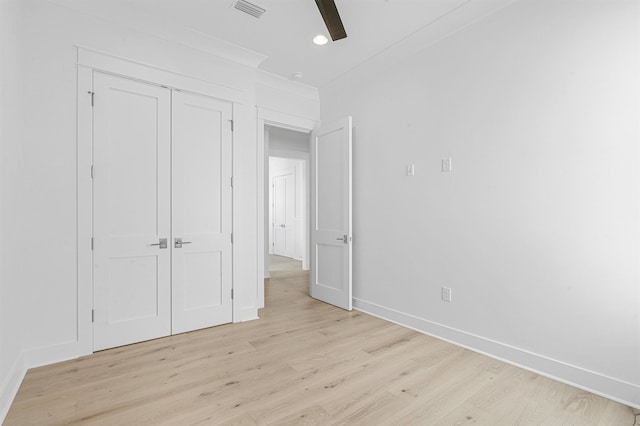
(52, 354)
(11, 385)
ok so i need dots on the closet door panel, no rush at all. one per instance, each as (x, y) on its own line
(201, 212)
(131, 186)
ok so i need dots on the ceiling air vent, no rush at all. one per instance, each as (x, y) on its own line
(249, 8)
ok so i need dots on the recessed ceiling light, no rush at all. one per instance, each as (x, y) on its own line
(320, 40)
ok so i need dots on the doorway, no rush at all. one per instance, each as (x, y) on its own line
(286, 200)
(331, 146)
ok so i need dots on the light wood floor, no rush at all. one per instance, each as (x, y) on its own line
(281, 263)
(304, 362)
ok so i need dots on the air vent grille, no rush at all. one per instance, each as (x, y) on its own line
(249, 8)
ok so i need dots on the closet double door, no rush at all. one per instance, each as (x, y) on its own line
(161, 211)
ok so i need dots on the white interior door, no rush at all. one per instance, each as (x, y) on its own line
(331, 214)
(284, 209)
(202, 211)
(278, 193)
(131, 186)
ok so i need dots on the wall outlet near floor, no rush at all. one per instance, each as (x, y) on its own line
(446, 294)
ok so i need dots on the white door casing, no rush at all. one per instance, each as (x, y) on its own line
(202, 212)
(331, 220)
(88, 63)
(131, 166)
(266, 118)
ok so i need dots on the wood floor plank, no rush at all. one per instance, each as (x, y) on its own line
(303, 362)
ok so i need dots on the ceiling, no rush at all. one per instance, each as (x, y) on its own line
(284, 33)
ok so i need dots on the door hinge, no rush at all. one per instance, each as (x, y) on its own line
(92, 171)
(232, 181)
(92, 97)
(231, 293)
(91, 243)
(232, 238)
(231, 121)
(92, 316)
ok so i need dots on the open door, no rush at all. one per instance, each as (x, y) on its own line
(330, 278)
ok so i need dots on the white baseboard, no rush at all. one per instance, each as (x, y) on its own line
(599, 384)
(30, 359)
(10, 386)
(245, 314)
(51, 354)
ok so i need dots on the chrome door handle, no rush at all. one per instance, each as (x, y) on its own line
(344, 239)
(179, 243)
(162, 243)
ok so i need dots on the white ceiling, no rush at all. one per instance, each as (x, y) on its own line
(283, 34)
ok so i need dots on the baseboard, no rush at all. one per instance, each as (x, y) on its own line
(245, 314)
(10, 386)
(51, 354)
(599, 384)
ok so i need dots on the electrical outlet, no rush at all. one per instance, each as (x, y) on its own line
(446, 294)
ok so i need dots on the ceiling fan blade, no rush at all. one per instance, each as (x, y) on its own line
(332, 20)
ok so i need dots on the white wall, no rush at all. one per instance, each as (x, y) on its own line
(11, 360)
(285, 142)
(289, 98)
(536, 228)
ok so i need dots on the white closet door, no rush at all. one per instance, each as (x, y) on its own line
(132, 148)
(201, 212)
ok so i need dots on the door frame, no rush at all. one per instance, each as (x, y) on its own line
(266, 117)
(88, 61)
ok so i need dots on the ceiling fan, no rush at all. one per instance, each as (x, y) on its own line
(332, 20)
(327, 9)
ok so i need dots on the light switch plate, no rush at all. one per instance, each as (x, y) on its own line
(411, 171)
(446, 294)
(446, 165)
